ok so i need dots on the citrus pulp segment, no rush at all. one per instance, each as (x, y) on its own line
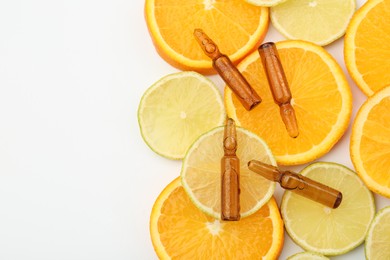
(327, 231)
(370, 142)
(317, 21)
(235, 26)
(201, 172)
(307, 256)
(176, 110)
(180, 230)
(321, 99)
(366, 46)
(378, 237)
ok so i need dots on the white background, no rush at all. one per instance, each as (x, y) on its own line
(76, 179)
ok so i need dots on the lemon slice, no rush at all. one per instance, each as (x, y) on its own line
(327, 231)
(317, 21)
(378, 237)
(201, 172)
(307, 256)
(176, 110)
(265, 2)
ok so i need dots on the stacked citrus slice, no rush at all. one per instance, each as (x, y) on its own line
(236, 26)
(201, 172)
(321, 98)
(180, 230)
(324, 230)
(370, 142)
(367, 47)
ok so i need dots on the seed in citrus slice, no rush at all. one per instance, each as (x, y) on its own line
(265, 2)
(370, 142)
(307, 256)
(317, 21)
(176, 110)
(327, 231)
(180, 230)
(367, 49)
(378, 237)
(236, 27)
(321, 98)
(201, 172)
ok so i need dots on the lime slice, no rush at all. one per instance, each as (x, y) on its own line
(201, 172)
(378, 237)
(265, 2)
(176, 110)
(307, 256)
(323, 230)
(317, 21)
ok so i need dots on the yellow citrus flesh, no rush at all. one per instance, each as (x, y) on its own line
(327, 231)
(317, 21)
(378, 237)
(321, 99)
(201, 172)
(370, 142)
(235, 26)
(367, 49)
(179, 230)
(307, 256)
(176, 110)
(265, 2)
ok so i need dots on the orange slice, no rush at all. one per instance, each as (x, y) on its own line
(181, 231)
(370, 142)
(367, 48)
(235, 26)
(321, 99)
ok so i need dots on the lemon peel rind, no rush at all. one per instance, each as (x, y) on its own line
(162, 81)
(357, 132)
(350, 59)
(301, 242)
(208, 210)
(343, 119)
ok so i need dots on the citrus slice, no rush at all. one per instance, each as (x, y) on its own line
(370, 142)
(367, 49)
(378, 237)
(179, 230)
(307, 256)
(324, 230)
(265, 2)
(176, 110)
(235, 26)
(317, 21)
(201, 172)
(321, 99)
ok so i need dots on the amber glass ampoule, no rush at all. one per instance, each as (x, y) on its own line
(228, 72)
(230, 174)
(299, 184)
(279, 86)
